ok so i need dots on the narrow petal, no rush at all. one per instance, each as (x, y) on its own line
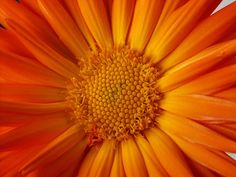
(108, 4)
(122, 13)
(206, 158)
(32, 108)
(202, 171)
(200, 107)
(146, 15)
(168, 8)
(208, 84)
(31, 93)
(54, 149)
(15, 159)
(104, 159)
(26, 135)
(218, 25)
(71, 171)
(134, 164)
(5, 129)
(117, 169)
(230, 36)
(224, 155)
(195, 132)
(175, 28)
(44, 53)
(153, 166)
(10, 9)
(168, 153)
(230, 133)
(227, 94)
(230, 125)
(27, 71)
(75, 12)
(15, 46)
(96, 17)
(69, 33)
(33, 5)
(196, 65)
(14, 118)
(87, 163)
(71, 157)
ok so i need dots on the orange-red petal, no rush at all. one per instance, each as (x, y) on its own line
(206, 158)
(134, 164)
(54, 149)
(195, 132)
(168, 153)
(146, 15)
(200, 107)
(205, 34)
(96, 17)
(196, 65)
(122, 13)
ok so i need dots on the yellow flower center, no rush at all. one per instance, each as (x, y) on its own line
(117, 97)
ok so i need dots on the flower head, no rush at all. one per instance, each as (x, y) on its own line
(115, 88)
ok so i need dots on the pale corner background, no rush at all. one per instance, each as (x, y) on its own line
(223, 4)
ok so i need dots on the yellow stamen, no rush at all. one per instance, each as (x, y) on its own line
(117, 96)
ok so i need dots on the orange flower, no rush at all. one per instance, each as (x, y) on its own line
(118, 88)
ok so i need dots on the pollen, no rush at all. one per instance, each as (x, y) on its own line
(116, 96)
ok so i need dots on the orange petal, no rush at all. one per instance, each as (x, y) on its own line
(122, 13)
(27, 71)
(134, 164)
(39, 30)
(227, 94)
(224, 155)
(70, 171)
(206, 158)
(32, 108)
(175, 28)
(11, 164)
(104, 159)
(5, 129)
(33, 132)
(87, 162)
(230, 125)
(196, 65)
(230, 36)
(168, 153)
(153, 166)
(69, 34)
(202, 171)
(205, 34)
(31, 93)
(200, 107)
(44, 53)
(117, 169)
(195, 132)
(168, 8)
(71, 157)
(96, 17)
(208, 84)
(108, 4)
(146, 15)
(14, 118)
(33, 5)
(54, 149)
(226, 131)
(10, 43)
(75, 12)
